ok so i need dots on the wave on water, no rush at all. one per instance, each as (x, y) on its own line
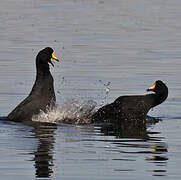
(73, 112)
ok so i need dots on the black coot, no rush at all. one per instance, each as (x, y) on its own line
(42, 95)
(132, 107)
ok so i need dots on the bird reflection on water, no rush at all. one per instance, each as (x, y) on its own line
(128, 138)
(43, 156)
(136, 135)
(118, 144)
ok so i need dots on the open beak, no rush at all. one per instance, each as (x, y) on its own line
(152, 88)
(53, 58)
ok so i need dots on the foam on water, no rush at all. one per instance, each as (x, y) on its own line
(73, 111)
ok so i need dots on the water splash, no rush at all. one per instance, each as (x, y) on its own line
(73, 111)
(106, 89)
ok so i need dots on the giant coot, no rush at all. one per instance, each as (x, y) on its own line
(132, 107)
(42, 95)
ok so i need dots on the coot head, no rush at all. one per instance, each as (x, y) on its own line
(44, 57)
(159, 87)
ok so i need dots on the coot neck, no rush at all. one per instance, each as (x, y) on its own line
(42, 67)
(44, 81)
(161, 97)
(42, 73)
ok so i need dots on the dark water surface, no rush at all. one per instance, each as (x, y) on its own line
(127, 43)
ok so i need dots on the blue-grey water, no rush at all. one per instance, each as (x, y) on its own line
(127, 43)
